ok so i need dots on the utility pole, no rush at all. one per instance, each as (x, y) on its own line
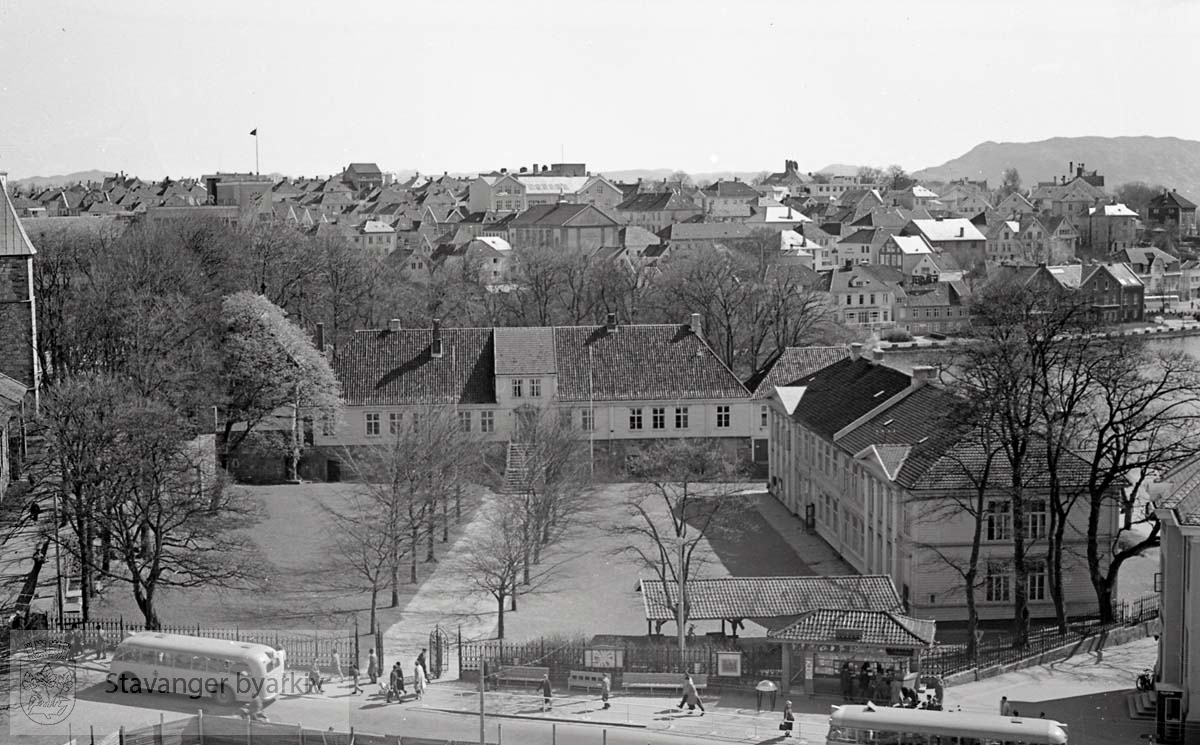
(57, 562)
(482, 685)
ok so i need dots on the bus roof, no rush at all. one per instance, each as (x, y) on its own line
(947, 723)
(196, 644)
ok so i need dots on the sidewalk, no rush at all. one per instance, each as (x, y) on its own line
(1087, 692)
(447, 598)
(816, 553)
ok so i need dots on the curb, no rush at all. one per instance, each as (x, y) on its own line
(560, 720)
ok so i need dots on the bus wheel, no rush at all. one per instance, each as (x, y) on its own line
(225, 695)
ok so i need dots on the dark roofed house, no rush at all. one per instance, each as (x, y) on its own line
(615, 381)
(656, 210)
(563, 226)
(878, 460)
(360, 176)
(1172, 208)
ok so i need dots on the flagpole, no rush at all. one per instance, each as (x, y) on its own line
(256, 170)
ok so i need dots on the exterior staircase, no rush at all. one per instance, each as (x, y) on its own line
(516, 469)
(1141, 705)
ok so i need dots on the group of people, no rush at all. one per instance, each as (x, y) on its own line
(873, 683)
(394, 687)
(78, 640)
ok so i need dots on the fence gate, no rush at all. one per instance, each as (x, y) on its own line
(439, 651)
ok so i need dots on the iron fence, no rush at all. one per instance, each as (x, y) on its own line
(302, 647)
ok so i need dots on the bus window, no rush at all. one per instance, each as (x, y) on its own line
(199, 662)
(166, 659)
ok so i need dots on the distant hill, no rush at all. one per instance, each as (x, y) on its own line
(41, 182)
(1168, 161)
(658, 174)
(840, 169)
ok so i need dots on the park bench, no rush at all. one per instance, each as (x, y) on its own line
(651, 681)
(585, 679)
(521, 674)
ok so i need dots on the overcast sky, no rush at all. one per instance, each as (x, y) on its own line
(171, 88)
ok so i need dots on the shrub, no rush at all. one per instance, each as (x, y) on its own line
(897, 335)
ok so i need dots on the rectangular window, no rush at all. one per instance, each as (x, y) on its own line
(658, 417)
(723, 417)
(328, 426)
(635, 419)
(535, 387)
(416, 421)
(586, 420)
(373, 424)
(999, 520)
(1037, 581)
(394, 420)
(565, 419)
(1035, 519)
(464, 421)
(998, 583)
(517, 386)
(681, 417)
(487, 421)
(762, 412)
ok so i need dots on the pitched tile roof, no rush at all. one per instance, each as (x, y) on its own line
(382, 367)
(1183, 493)
(639, 362)
(526, 350)
(725, 189)
(12, 392)
(705, 231)
(791, 364)
(579, 215)
(844, 391)
(1172, 199)
(951, 229)
(875, 628)
(770, 597)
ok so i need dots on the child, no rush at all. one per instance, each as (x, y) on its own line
(373, 667)
(354, 678)
(337, 665)
(789, 720)
(314, 678)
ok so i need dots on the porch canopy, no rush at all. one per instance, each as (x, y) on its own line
(735, 599)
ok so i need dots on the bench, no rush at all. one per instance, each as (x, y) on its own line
(522, 674)
(585, 679)
(652, 681)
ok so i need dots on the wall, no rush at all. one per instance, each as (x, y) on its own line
(17, 328)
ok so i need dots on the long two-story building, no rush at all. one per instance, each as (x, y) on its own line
(874, 461)
(618, 385)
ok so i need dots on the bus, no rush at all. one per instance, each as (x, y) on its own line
(894, 726)
(228, 671)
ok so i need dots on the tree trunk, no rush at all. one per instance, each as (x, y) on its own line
(500, 616)
(431, 528)
(458, 503)
(1054, 570)
(680, 604)
(416, 539)
(374, 605)
(395, 582)
(445, 520)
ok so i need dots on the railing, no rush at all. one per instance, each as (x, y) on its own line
(951, 659)
(302, 647)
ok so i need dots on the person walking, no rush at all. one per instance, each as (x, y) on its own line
(337, 665)
(373, 667)
(421, 662)
(418, 679)
(605, 689)
(690, 696)
(789, 720)
(847, 681)
(1005, 707)
(545, 692)
(396, 683)
(101, 644)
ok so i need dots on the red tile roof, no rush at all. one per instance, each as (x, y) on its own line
(526, 350)
(639, 363)
(770, 597)
(875, 628)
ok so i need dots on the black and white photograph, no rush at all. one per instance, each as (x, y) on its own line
(613, 373)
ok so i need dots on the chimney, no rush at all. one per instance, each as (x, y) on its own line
(961, 233)
(535, 167)
(1071, 166)
(320, 338)
(696, 326)
(855, 350)
(611, 322)
(394, 325)
(435, 349)
(877, 356)
(921, 374)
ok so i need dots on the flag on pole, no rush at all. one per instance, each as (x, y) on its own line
(254, 132)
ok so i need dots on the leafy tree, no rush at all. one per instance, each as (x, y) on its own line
(269, 363)
(870, 175)
(364, 543)
(687, 497)
(681, 180)
(1010, 183)
(897, 178)
(1136, 195)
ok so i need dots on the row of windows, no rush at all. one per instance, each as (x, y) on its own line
(999, 579)
(373, 421)
(658, 417)
(1000, 525)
